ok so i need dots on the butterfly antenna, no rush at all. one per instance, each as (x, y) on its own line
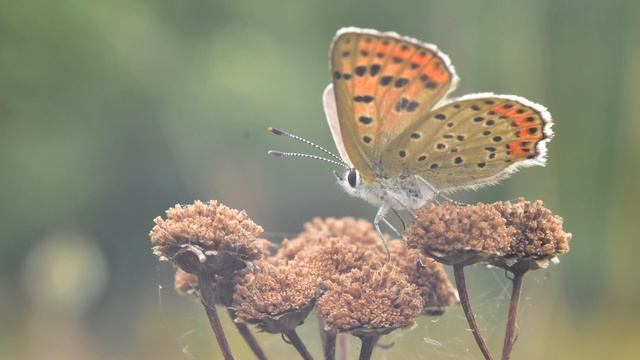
(307, 156)
(305, 141)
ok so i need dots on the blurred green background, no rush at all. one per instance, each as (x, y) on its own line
(112, 111)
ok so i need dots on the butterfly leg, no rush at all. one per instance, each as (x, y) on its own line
(391, 227)
(436, 192)
(404, 225)
(382, 211)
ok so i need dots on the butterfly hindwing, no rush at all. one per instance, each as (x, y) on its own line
(473, 141)
(383, 83)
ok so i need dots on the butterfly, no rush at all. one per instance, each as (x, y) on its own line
(400, 136)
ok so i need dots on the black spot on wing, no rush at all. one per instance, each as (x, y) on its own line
(363, 98)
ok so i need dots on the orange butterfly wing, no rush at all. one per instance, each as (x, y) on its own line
(383, 83)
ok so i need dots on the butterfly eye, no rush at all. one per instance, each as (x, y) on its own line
(352, 177)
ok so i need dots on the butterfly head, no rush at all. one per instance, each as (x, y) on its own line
(350, 181)
(353, 184)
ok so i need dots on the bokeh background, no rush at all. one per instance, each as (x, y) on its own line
(113, 111)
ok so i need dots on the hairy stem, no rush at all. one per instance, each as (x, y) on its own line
(510, 335)
(248, 337)
(368, 344)
(458, 271)
(295, 340)
(207, 298)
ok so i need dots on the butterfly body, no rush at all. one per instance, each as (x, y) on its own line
(407, 193)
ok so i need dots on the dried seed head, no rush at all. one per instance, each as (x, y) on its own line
(370, 299)
(289, 249)
(539, 237)
(318, 231)
(517, 236)
(339, 255)
(427, 275)
(276, 298)
(266, 246)
(185, 283)
(358, 231)
(208, 238)
(460, 234)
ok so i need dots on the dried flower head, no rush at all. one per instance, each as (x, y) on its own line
(502, 234)
(539, 237)
(265, 246)
(318, 231)
(460, 234)
(185, 283)
(368, 299)
(359, 231)
(340, 255)
(276, 298)
(427, 275)
(206, 238)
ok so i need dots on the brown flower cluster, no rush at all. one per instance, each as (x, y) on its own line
(503, 234)
(341, 266)
(379, 299)
(428, 275)
(318, 231)
(277, 298)
(344, 265)
(539, 233)
(206, 237)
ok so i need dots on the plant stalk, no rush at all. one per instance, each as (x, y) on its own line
(368, 344)
(343, 346)
(207, 298)
(328, 340)
(295, 340)
(510, 335)
(458, 271)
(248, 337)
(329, 345)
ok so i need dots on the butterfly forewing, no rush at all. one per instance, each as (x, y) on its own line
(383, 84)
(473, 141)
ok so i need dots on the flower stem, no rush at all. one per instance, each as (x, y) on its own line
(458, 271)
(510, 335)
(343, 345)
(329, 345)
(248, 337)
(207, 298)
(328, 340)
(368, 344)
(295, 340)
